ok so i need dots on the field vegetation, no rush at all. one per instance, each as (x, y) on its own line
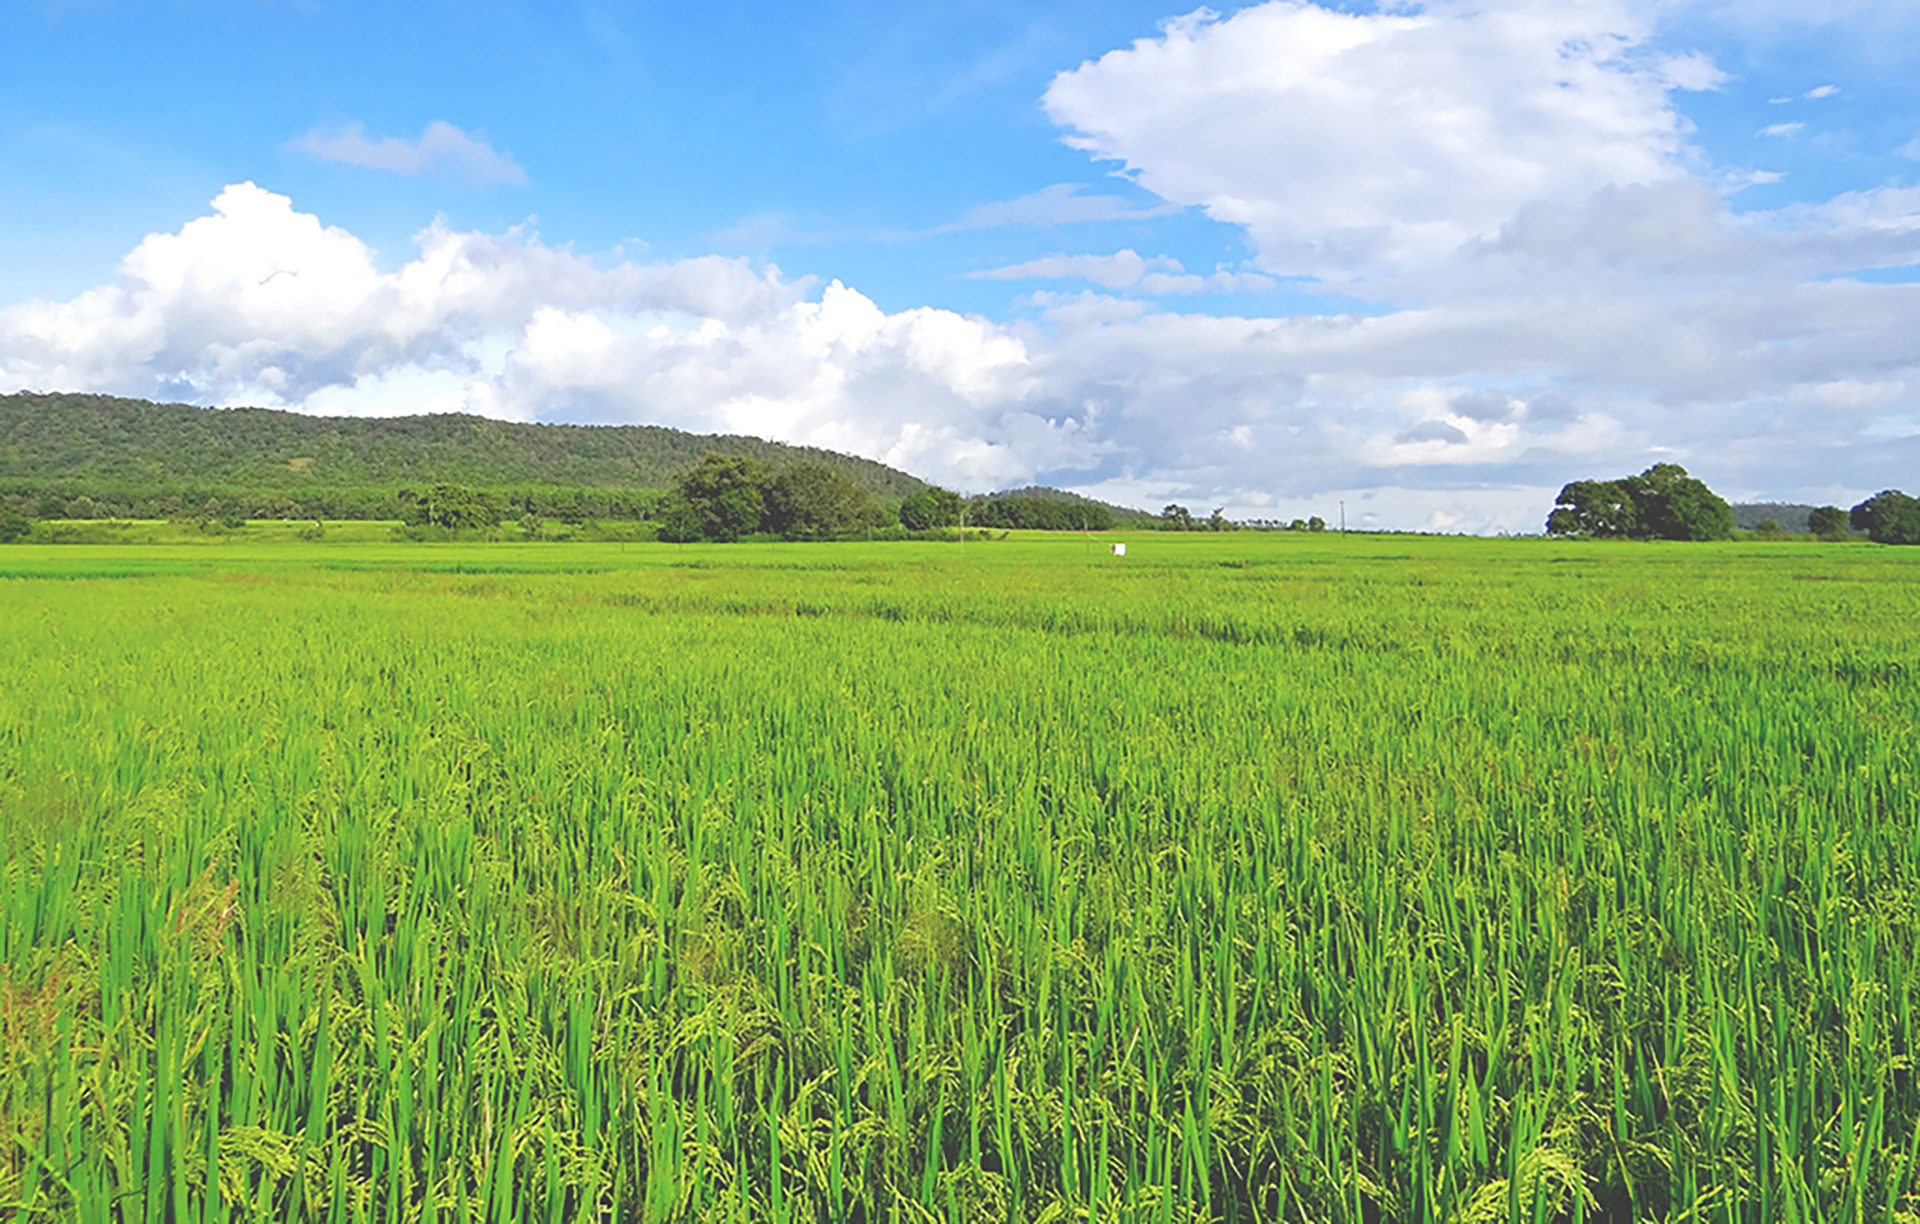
(1252, 876)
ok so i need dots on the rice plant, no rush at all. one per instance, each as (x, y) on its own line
(1246, 878)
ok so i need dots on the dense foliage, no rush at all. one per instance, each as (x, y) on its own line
(724, 498)
(1661, 503)
(930, 509)
(1891, 517)
(131, 454)
(719, 499)
(817, 503)
(1122, 516)
(571, 505)
(1251, 877)
(1828, 522)
(1010, 512)
(1178, 518)
(454, 507)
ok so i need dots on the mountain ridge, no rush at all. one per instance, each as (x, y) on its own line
(73, 442)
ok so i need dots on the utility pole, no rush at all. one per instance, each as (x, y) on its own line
(1343, 516)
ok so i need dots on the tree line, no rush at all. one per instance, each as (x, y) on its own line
(1664, 503)
(220, 504)
(724, 498)
(1178, 518)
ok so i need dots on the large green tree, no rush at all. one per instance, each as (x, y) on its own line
(1889, 517)
(1661, 503)
(447, 505)
(720, 498)
(931, 508)
(1828, 522)
(1600, 508)
(814, 502)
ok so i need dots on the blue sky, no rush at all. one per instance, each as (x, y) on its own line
(1433, 260)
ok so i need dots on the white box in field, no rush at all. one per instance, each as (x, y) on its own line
(1119, 550)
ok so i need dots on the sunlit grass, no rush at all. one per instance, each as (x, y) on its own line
(1245, 877)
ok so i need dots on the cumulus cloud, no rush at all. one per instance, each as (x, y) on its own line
(441, 147)
(259, 303)
(260, 300)
(1342, 142)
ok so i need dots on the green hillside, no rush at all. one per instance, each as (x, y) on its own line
(115, 448)
(1131, 516)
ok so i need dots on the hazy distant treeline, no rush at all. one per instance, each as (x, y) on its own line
(93, 501)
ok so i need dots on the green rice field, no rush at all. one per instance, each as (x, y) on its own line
(1247, 877)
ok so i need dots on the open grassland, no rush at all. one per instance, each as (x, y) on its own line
(1248, 877)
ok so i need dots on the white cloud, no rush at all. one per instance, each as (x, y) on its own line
(1155, 276)
(1781, 129)
(258, 303)
(1803, 384)
(1345, 142)
(1085, 308)
(441, 147)
(1193, 282)
(1694, 72)
(1821, 91)
(1060, 204)
(1116, 271)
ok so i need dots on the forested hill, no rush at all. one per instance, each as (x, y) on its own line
(1124, 515)
(83, 443)
(1790, 516)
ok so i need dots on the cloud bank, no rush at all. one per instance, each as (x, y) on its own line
(1560, 289)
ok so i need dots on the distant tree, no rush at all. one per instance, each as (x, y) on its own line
(1770, 529)
(814, 502)
(1316, 523)
(1217, 521)
(930, 508)
(1828, 522)
(1603, 509)
(454, 507)
(1176, 518)
(14, 526)
(720, 499)
(1675, 506)
(678, 522)
(1661, 503)
(1889, 517)
(224, 512)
